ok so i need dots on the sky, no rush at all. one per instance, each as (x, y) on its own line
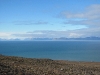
(21, 19)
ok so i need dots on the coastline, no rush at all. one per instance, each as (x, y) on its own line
(12, 65)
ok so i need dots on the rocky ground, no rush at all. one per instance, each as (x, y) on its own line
(10, 65)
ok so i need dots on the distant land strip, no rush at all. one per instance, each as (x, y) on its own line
(51, 39)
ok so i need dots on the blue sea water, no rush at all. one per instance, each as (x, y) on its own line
(58, 50)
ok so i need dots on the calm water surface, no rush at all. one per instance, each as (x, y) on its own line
(60, 50)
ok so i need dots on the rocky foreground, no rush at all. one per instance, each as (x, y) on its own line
(10, 65)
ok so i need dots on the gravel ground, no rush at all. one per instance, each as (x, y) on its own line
(10, 65)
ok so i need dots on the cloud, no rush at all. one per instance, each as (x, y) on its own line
(40, 22)
(91, 12)
(49, 34)
(87, 23)
(2, 34)
(30, 22)
(9, 35)
(6, 35)
(78, 33)
(87, 32)
(90, 16)
(57, 34)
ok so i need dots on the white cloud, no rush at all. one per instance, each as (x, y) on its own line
(9, 35)
(90, 16)
(3, 34)
(91, 13)
(74, 35)
(86, 32)
(57, 34)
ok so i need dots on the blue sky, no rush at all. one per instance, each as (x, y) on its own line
(49, 18)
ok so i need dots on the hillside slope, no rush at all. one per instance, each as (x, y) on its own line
(10, 65)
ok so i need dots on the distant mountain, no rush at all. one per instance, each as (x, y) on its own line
(51, 39)
(3, 39)
(86, 38)
(64, 38)
(10, 39)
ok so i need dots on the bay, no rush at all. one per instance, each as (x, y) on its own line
(57, 50)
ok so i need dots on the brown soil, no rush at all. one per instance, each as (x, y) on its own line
(10, 65)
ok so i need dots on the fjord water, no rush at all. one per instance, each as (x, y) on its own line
(58, 50)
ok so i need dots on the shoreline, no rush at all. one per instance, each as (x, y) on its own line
(50, 58)
(12, 65)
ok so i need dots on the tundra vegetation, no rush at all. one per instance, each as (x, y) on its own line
(11, 65)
